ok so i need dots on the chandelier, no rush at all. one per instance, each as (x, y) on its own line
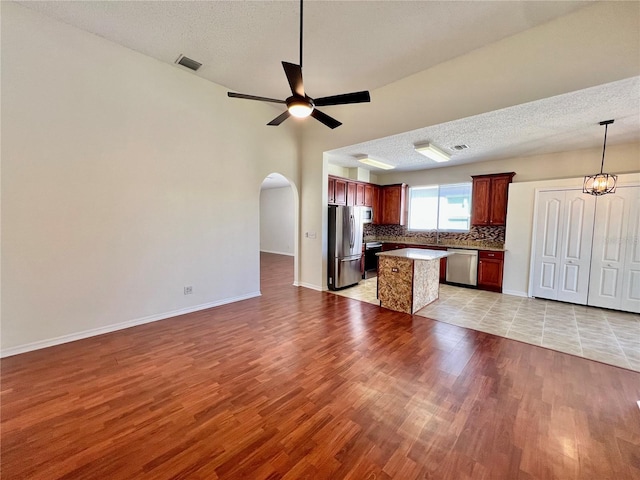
(601, 183)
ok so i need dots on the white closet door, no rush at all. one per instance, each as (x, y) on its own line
(606, 285)
(631, 272)
(548, 244)
(573, 275)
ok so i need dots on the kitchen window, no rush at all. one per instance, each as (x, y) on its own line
(440, 207)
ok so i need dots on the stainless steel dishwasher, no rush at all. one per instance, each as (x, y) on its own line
(462, 266)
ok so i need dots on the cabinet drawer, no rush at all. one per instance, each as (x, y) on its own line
(491, 254)
(392, 246)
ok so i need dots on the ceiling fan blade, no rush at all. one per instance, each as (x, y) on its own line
(294, 76)
(280, 118)
(326, 119)
(253, 97)
(355, 97)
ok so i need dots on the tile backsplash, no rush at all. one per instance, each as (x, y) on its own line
(484, 237)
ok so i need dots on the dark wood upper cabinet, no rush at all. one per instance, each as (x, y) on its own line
(351, 193)
(393, 204)
(360, 194)
(340, 192)
(489, 199)
(368, 195)
(332, 191)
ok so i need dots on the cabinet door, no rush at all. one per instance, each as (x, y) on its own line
(393, 205)
(499, 191)
(615, 268)
(490, 274)
(489, 199)
(480, 201)
(368, 195)
(360, 194)
(332, 191)
(351, 194)
(340, 192)
(376, 206)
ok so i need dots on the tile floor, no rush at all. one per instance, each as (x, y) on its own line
(604, 335)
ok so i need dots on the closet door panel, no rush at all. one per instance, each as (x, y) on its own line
(609, 245)
(631, 270)
(548, 241)
(576, 249)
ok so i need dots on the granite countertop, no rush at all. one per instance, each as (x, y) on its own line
(416, 254)
(463, 246)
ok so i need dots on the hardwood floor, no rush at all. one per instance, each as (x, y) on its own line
(299, 384)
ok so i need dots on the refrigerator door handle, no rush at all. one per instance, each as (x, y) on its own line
(352, 237)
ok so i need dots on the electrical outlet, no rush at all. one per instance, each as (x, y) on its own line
(188, 290)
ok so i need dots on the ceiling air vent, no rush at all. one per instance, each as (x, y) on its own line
(460, 147)
(189, 63)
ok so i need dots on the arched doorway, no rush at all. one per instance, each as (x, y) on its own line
(278, 232)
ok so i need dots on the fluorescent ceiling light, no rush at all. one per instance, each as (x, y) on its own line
(432, 152)
(375, 163)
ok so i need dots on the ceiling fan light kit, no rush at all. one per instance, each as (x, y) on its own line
(432, 152)
(601, 183)
(300, 108)
(301, 105)
(375, 163)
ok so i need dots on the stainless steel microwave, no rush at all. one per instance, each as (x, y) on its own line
(367, 215)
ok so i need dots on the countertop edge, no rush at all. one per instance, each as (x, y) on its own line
(415, 254)
(440, 245)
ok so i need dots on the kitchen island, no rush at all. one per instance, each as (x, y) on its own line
(408, 278)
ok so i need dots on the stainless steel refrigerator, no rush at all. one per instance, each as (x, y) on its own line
(345, 246)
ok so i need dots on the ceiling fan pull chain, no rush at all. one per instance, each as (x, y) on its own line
(300, 33)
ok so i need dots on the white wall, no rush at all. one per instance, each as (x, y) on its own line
(595, 45)
(520, 226)
(277, 232)
(123, 180)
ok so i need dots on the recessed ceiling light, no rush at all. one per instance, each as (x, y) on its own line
(432, 152)
(375, 163)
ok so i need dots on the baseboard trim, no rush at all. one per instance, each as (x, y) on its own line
(277, 253)
(309, 285)
(29, 347)
(515, 293)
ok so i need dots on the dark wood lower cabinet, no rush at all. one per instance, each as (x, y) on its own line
(490, 269)
(490, 265)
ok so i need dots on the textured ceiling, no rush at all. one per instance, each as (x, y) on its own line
(348, 45)
(560, 123)
(363, 45)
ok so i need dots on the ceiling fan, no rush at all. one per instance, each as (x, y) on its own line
(299, 104)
